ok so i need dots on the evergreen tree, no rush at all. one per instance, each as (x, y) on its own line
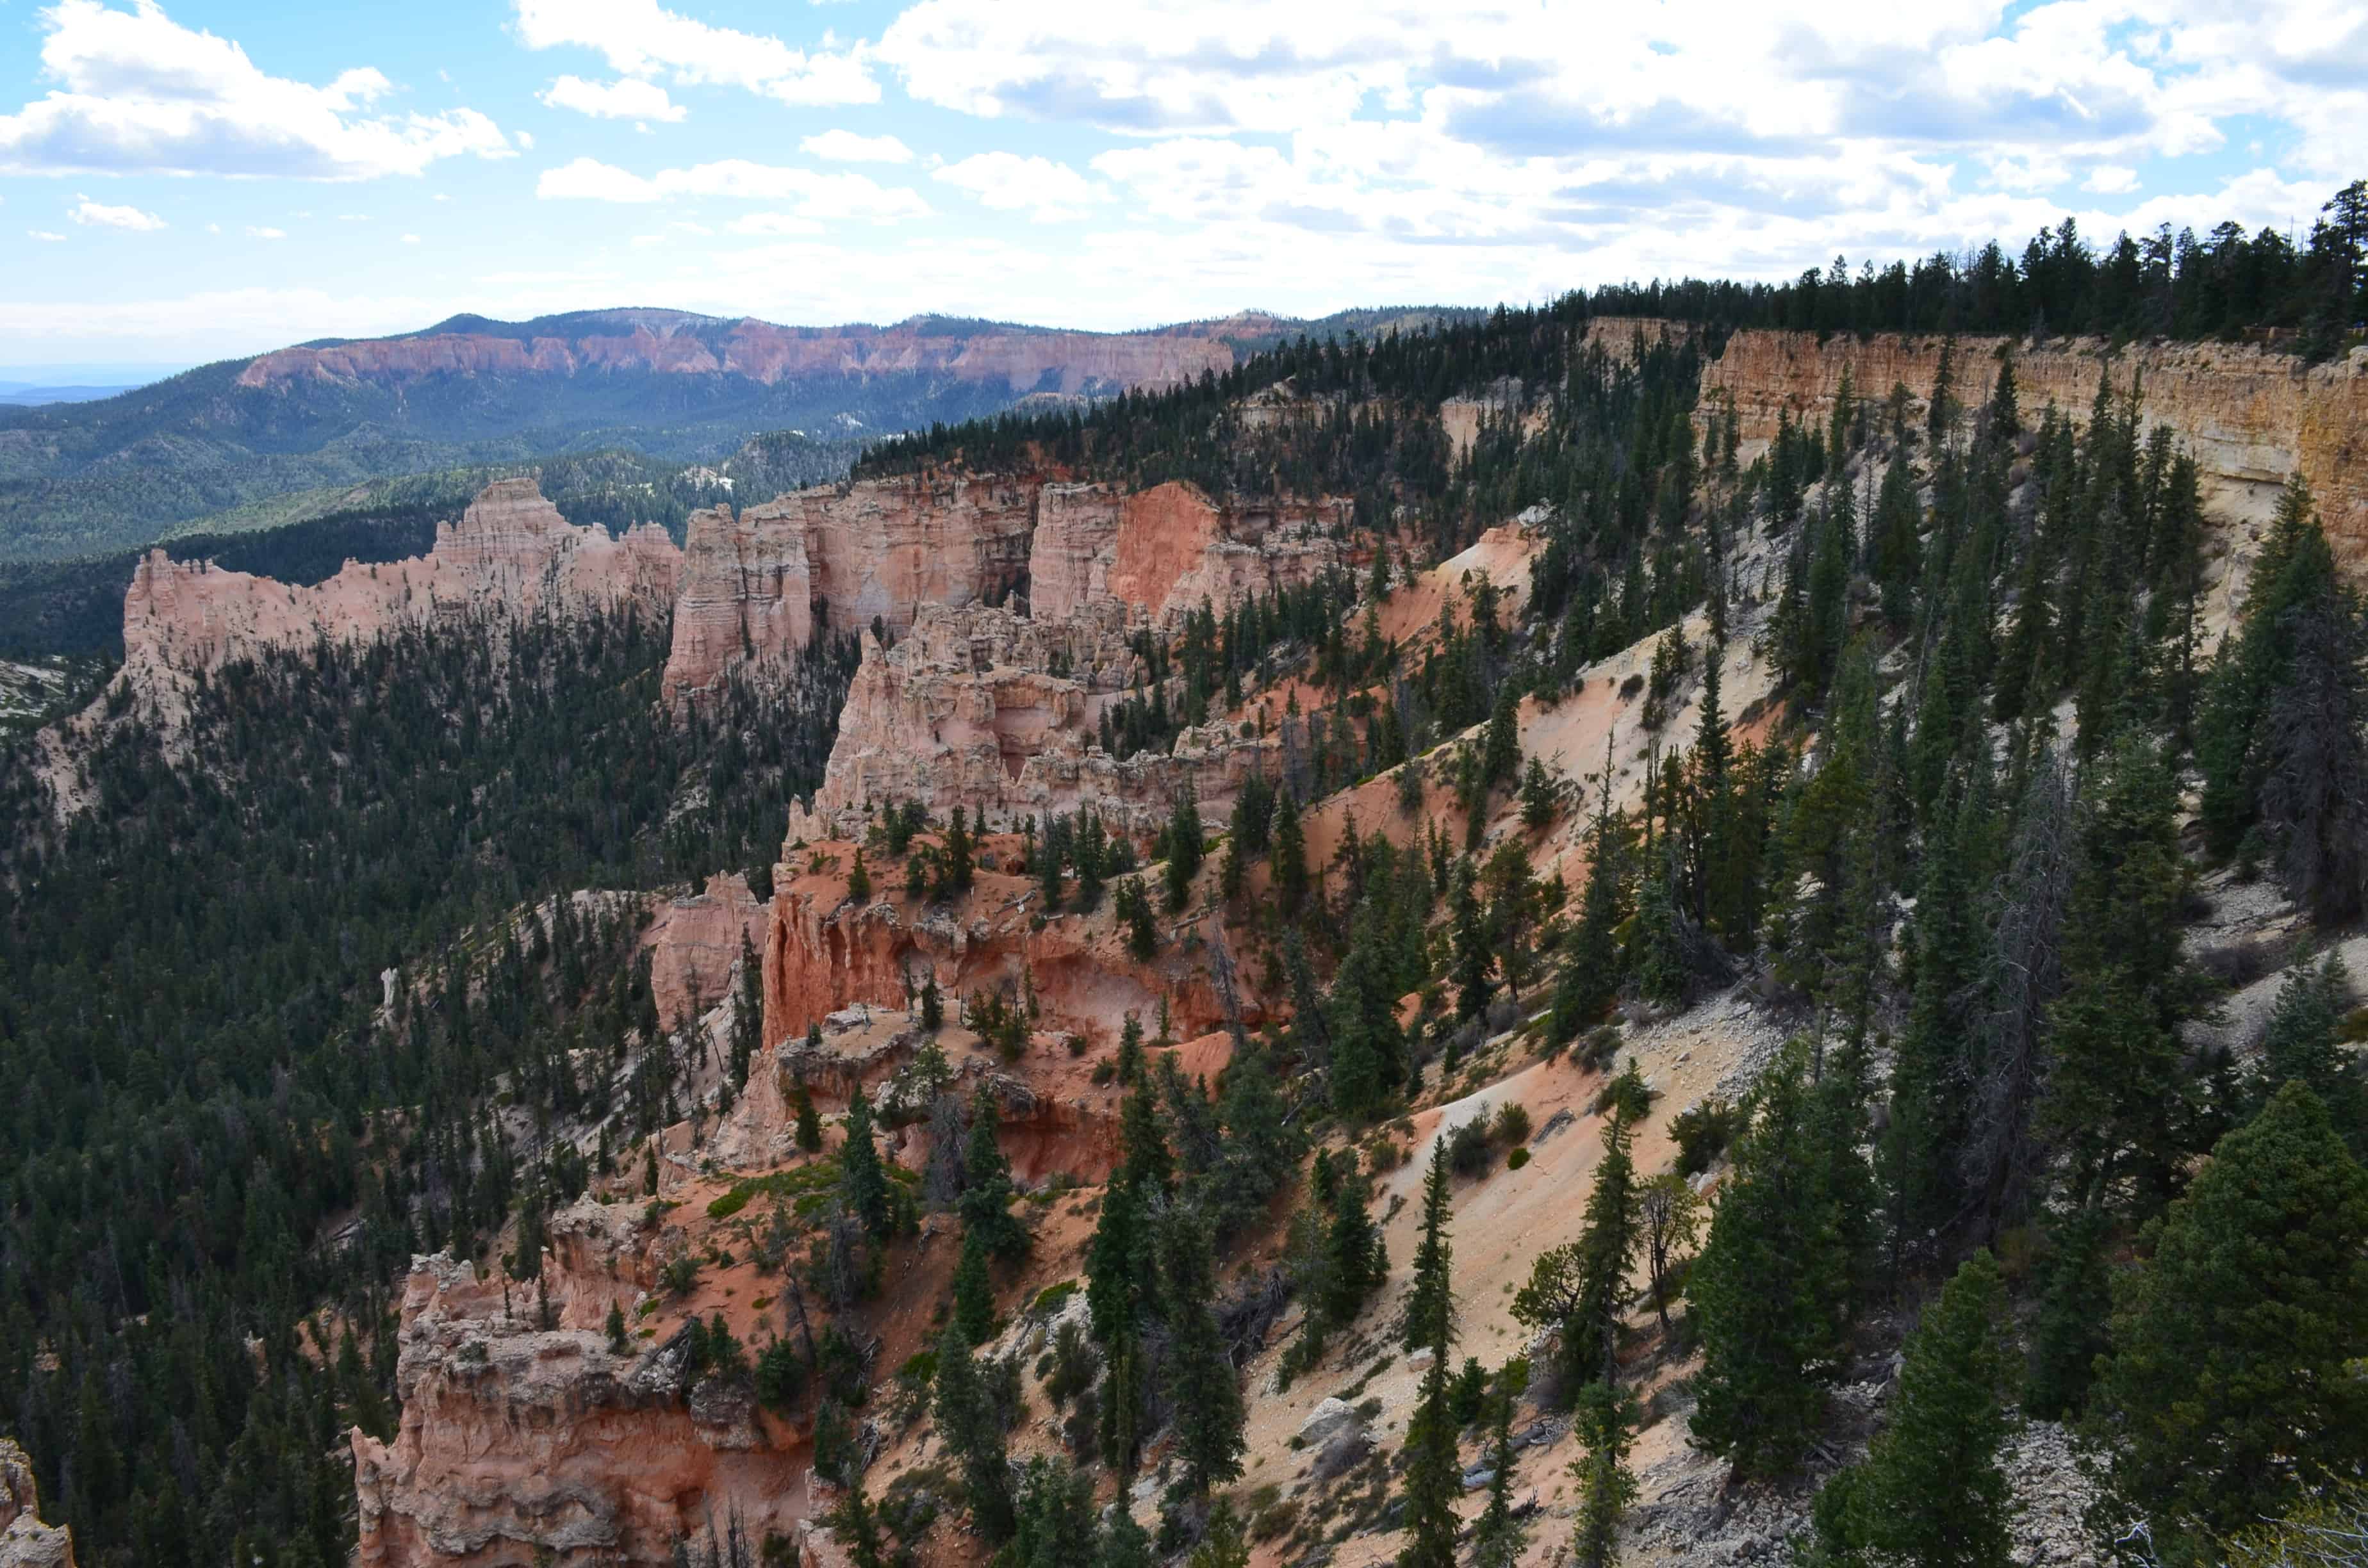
(2233, 1382)
(968, 1426)
(1201, 1387)
(1290, 855)
(863, 1181)
(1356, 1262)
(1433, 1471)
(1930, 1491)
(986, 1192)
(618, 1345)
(1368, 1045)
(973, 1292)
(854, 1525)
(2301, 1045)
(809, 1122)
(1499, 1535)
(1765, 1287)
(1185, 848)
(1605, 1422)
(1430, 1299)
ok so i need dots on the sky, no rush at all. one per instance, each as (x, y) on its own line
(209, 178)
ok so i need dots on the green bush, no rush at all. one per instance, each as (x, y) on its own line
(1517, 1159)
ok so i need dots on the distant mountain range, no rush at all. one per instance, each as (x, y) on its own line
(29, 392)
(229, 443)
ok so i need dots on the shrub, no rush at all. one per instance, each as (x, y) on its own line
(1517, 1159)
(1512, 1123)
(680, 1275)
(731, 1203)
(1704, 1131)
(1468, 1152)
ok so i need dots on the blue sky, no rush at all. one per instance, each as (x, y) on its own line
(198, 179)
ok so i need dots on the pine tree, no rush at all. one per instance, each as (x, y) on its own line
(862, 1182)
(1368, 1045)
(1434, 1472)
(968, 1428)
(1763, 1290)
(1201, 1387)
(1605, 1422)
(809, 1121)
(2232, 1381)
(1430, 1299)
(973, 1292)
(616, 1330)
(1930, 1491)
(987, 1193)
(1355, 1261)
(1185, 848)
(1475, 949)
(1290, 855)
(2301, 1045)
(1499, 1535)
(1607, 1241)
(859, 879)
(854, 1525)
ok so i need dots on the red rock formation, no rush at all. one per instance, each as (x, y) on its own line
(746, 592)
(25, 1542)
(694, 941)
(968, 711)
(524, 1445)
(511, 551)
(671, 343)
(2252, 416)
(1162, 552)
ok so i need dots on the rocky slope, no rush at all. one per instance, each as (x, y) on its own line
(25, 1542)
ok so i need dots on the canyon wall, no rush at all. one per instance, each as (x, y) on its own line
(521, 1444)
(509, 552)
(25, 1542)
(1166, 549)
(2252, 417)
(998, 714)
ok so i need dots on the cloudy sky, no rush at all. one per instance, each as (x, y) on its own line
(204, 178)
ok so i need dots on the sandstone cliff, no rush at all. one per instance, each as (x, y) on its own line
(1165, 549)
(998, 713)
(2251, 415)
(510, 551)
(521, 1444)
(25, 1542)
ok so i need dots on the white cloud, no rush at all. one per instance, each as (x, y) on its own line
(253, 232)
(626, 98)
(525, 139)
(1052, 192)
(411, 239)
(817, 195)
(2111, 179)
(139, 93)
(99, 215)
(46, 235)
(775, 224)
(846, 147)
(642, 38)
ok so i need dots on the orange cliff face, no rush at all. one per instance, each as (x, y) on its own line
(999, 715)
(2252, 417)
(511, 551)
(524, 1444)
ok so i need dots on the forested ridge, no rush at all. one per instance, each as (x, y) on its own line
(214, 1148)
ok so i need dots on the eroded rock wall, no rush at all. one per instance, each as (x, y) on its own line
(2252, 417)
(998, 714)
(1162, 552)
(746, 592)
(522, 1444)
(510, 553)
(25, 1542)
